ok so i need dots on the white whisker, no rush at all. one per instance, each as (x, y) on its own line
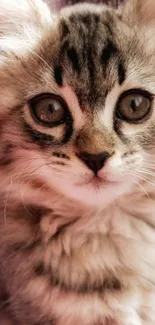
(144, 179)
(144, 171)
(143, 189)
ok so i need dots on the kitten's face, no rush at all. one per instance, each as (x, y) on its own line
(77, 105)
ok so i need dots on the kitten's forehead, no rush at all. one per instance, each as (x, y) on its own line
(90, 58)
(90, 48)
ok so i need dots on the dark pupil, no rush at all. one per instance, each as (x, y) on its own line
(134, 105)
(50, 111)
(51, 108)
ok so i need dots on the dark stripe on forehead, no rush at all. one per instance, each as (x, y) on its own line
(73, 57)
(85, 18)
(64, 29)
(64, 48)
(80, 49)
(58, 75)
(91, 57)
(91, 68)
(109, 51)
(121, 72)
(89, 19)
(58, 70)
(107, 25)
(80, 18)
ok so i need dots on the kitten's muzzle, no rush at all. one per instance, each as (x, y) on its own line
(95, 162)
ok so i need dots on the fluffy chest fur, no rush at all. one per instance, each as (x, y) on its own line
(98, 271)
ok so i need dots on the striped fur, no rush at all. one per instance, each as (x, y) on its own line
(74, 247)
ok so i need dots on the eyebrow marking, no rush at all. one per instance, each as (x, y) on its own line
(121, 73)
(58, 75)
(73, 57)
(109, 51)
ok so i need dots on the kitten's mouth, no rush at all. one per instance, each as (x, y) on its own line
(97, 182)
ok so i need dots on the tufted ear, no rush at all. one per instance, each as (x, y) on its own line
(142, 11)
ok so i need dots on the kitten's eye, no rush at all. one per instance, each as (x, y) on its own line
(134, 106)
(49, 110)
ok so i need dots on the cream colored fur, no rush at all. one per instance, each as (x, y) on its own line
(111, 232)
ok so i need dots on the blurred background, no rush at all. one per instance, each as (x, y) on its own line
(57, 4)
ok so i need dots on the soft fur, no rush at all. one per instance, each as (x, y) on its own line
(75, 250)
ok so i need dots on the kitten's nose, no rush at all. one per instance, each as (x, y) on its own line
(94, 161)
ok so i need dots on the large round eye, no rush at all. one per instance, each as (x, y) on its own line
(134, 105)
(49, 110)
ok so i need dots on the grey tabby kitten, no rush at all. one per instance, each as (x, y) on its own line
(77, 161)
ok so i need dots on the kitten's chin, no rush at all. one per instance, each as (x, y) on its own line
(95, 193)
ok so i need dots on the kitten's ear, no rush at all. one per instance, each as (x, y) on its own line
(142, 11)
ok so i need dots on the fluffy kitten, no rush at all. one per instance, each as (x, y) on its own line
(77, 195)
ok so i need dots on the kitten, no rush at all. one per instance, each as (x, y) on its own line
(77, 195)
